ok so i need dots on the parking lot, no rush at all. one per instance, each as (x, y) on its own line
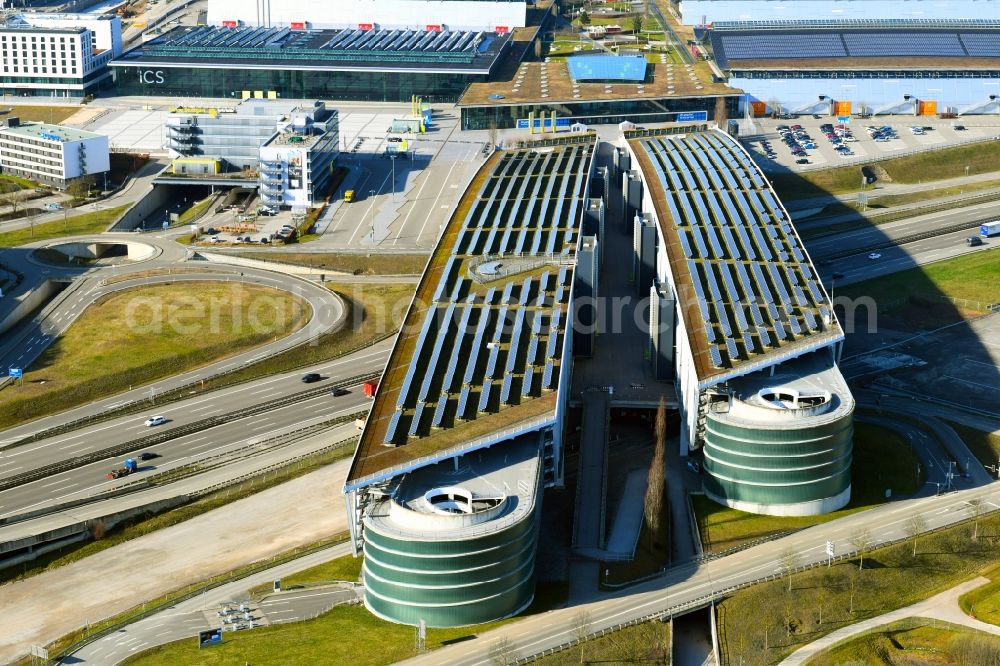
(939, 133)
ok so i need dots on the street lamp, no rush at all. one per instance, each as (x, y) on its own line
(392, 158)
(371, 193)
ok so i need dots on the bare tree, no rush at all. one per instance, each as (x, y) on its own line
(789, 560)
(915, 526)
(493, 135)
(502, 652)
(581, 629)
(655, 481)
(975, 509)
(862, 542)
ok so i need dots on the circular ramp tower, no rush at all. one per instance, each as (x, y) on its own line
(454, 544)
(781, 444)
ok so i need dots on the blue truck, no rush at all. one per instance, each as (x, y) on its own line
(989, 229)
(130, 467)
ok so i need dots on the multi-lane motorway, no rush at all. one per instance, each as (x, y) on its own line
(90, 479)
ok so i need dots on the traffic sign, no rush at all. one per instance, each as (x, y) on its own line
(830, 549)
(209, 637)
(15, 372)
(691, 116)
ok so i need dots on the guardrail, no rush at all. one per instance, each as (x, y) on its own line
(912, 238)
(708, 599)
(166, 435)
(175, 393)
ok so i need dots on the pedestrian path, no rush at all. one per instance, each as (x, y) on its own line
(943, 606)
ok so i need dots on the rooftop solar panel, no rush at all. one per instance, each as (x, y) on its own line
(390, 432)
(463, 403)
(438, 418)
(418, 415)
(484, 396)
(715, 356)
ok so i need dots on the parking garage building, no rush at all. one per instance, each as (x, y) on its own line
(444, 491)
(757, 342)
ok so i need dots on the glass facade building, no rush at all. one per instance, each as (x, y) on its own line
(370, 65)
(231, 82)
(598, 112)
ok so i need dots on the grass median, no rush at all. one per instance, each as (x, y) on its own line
(343, 635)
(914, 642)
(930, 296)
(923, 167)
(722, 528)
(766, 622)
(147, 333)
(76, 225)
(373, 312)
(355, 264)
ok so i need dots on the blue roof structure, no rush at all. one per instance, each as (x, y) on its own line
(607, 68)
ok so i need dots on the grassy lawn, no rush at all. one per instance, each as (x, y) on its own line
(892, 578)
(647, 643)
(921, 168)
(88, 223)
(373, 311)
(984, 445)
(912, 298)
(176, 328)
(914, 642)
(722, 528)
(41, 114)
(344, 635)
(346, 568)
(984, 603)
(356, 264)
(195, 210)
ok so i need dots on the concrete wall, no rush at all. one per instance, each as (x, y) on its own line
(28, 302)
(156, 197)
(290, 269)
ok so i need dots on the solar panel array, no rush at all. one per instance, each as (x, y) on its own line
(607, 68)
(982, 44)
(489, 344)
(795, 43)
(754, 289)
(286, 44)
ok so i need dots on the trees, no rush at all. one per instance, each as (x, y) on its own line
(975, 511)
(915, 525)
(789, 560)
(862, 541)
(637, 25)
(581, 629)
(655, 480)
(79, 188)
(584, 17)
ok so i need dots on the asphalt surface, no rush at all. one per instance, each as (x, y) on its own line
(187, 618)
(90, 479)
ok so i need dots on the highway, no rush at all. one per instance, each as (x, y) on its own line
(89, 480)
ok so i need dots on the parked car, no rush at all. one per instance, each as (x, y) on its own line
(155, 421)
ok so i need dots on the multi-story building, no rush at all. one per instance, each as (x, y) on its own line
(492, 15)
(57, 55)
(706, 12)
(52, 154)
(297, 162)
(292, 146)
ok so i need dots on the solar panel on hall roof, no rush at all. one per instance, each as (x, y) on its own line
(607, 68)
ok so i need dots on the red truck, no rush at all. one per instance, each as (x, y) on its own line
(370, 388)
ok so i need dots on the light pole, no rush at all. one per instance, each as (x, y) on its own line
(371, 193)
(392, 158)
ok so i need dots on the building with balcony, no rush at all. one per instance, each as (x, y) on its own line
(52, 154)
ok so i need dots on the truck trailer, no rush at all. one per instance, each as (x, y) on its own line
(989, 229)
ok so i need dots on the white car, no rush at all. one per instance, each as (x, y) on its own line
(155, 421)
(875, 255)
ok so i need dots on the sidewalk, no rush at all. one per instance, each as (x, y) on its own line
(943, 606)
